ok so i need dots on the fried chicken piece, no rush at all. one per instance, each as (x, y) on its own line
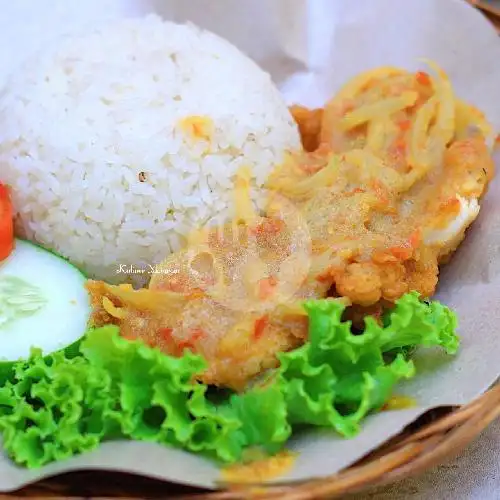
(360, 281)
(379, 224)
(375, 242)
(448, 200)
(230, 299)
(236, 345)
(422, 276)
(469, 167)
(367, 283)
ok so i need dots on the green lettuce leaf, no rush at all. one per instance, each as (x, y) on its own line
(338, 377)
(57, 406)
(413, 322)
(263, 414)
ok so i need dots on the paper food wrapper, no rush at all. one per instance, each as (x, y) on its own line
(311, 47)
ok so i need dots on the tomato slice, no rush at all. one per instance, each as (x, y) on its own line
(6, 223)
(423, 78)
(259, 326)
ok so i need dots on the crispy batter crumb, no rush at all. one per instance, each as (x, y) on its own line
(261, 470)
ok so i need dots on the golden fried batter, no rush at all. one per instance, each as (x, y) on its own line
(387, 184)
(230, 298)
(397, 188)
(236, 344)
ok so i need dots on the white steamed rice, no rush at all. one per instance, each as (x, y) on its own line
(82, 119)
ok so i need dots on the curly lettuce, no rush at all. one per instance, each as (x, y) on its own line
(338, 377)
(55, 407)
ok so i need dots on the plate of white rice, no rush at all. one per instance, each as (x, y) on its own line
(118, 142)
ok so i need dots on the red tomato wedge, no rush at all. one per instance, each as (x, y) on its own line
(259, 326)
(6, 223)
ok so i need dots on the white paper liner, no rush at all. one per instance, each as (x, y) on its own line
(311, 47)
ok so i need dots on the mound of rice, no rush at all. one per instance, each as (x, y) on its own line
(119, 142)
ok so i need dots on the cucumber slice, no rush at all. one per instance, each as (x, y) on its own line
(43, 304)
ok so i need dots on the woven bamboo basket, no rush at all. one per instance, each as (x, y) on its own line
(490, 9)
(437, 436)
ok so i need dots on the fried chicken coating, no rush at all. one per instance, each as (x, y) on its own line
(230, 299)
(389, 181)
(395, 194)
(236, 345)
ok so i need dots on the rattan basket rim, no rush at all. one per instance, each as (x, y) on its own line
(437, 436)
(491, 12)
(409, 454)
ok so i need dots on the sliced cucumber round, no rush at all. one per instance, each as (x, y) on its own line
(43, 304)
